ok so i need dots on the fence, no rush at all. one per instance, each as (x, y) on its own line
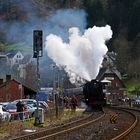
(48, 115)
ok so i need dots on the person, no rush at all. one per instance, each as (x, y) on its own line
(26, 112)
(20, 109)
(74, 103)
(129, 101)
(66, 102)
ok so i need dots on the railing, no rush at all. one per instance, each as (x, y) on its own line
(48, 114)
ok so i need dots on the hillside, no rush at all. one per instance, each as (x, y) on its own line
(122, 16)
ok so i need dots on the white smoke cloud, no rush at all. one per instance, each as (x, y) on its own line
(83, 55)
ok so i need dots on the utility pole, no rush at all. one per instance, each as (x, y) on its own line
(56, 105)
(20, 87)
(38, 52)
(55, 94)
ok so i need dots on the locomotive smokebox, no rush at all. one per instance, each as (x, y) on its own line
(93, 95)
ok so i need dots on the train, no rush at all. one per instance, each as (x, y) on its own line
(94, 97)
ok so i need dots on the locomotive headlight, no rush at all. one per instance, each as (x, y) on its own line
(86, 99)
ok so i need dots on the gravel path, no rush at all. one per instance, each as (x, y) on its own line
(103, 130)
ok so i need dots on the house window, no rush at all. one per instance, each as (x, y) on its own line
(18, 56)
(16, 61)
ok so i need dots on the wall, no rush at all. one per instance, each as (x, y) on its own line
(10, 91)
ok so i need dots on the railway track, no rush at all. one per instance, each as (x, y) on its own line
(72, 127)
(89, 128)
(58, 129)
(133, 132)
(98, 130)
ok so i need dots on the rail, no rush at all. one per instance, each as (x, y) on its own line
(132, 127)
(54, 131)
(70, 129)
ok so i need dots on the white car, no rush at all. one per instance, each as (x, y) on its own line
(32, 110)
(4, 115)
(43, 104)
(33, 103)
(137, 101)
(27, 101)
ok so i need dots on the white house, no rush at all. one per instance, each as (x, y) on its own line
(22, 66)
(14, 57)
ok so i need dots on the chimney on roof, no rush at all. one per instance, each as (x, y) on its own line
(8, 77)
(1, 81)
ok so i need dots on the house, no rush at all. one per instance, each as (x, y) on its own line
(114, 87)
(3, 64)
(22, 66)
(12, 90)
(14, 57)
(18, 63)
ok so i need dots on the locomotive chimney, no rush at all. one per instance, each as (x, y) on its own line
(1, 81)
(8, 77)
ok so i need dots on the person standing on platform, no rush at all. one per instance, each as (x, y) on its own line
(20, 109)
(66, 102)
(74, 103)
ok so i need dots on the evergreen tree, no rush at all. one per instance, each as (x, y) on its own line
(134, 21)
(94, 10)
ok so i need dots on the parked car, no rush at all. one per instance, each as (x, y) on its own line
(43, 104)
(27, 101)
(12, 109)
(32, 109)
(33, 103)
(137, 100)
(4, 103)
(4, 115)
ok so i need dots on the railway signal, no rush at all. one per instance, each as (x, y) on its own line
(37, 52)
(37, 43)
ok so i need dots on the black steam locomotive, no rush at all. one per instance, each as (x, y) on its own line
(94, 96)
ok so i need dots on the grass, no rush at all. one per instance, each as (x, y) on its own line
(7, 48)
(66, 115)
(18, 46)
(30, 124)
(133, 86)
(15, 127)
(10, 128)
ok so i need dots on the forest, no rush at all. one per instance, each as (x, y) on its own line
(124, 18)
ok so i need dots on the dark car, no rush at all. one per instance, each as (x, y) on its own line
(12, 109)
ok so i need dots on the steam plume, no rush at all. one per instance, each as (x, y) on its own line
(82, 56)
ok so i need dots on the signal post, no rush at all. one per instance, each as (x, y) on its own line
(37, 52)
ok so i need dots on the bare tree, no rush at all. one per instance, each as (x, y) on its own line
(31, 77)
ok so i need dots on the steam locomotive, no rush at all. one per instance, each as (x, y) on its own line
(94, 96)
